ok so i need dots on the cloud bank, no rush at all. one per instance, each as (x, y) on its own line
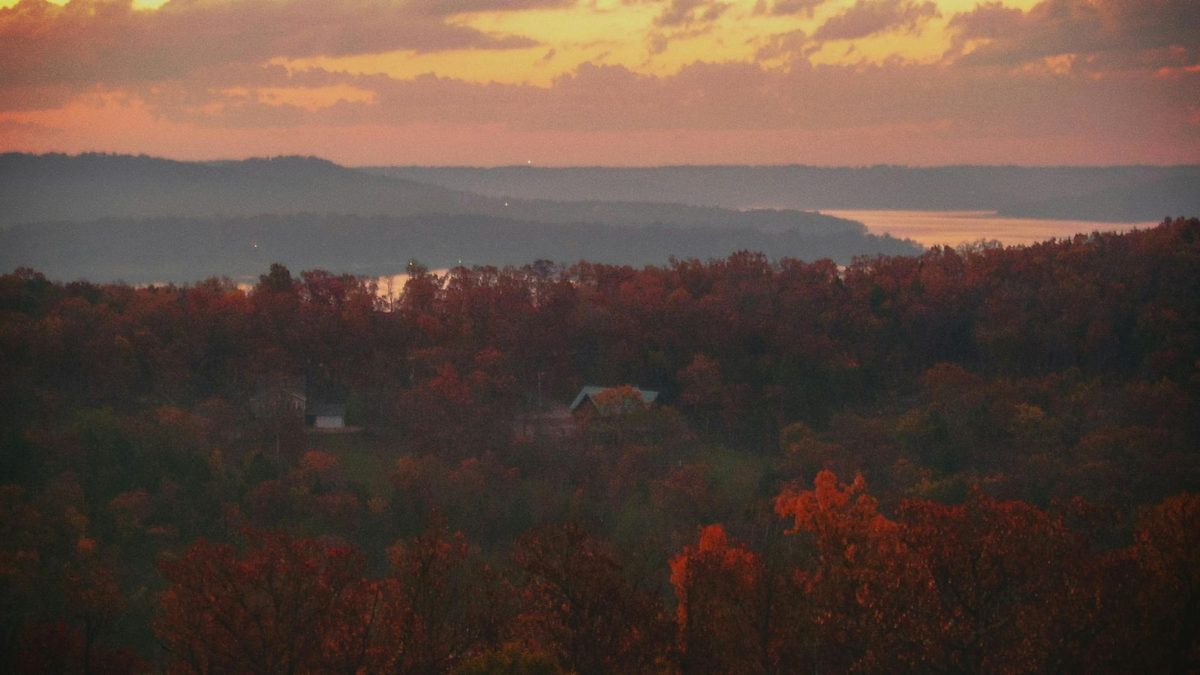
(1095, 81)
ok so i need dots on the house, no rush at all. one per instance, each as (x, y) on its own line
(561, 421)
(554, 421)
(279, 397)
(284, 397)
(608, 401)
(325, 416)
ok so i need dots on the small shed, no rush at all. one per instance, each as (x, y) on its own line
(326, 416)
(606, 401)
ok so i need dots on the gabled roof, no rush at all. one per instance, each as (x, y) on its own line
(589, 393)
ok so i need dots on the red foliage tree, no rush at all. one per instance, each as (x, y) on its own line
(862, 585)
(441, 604)
(578, 605)
(63, 649)
(285, 605)
(1167, 555)
(1008, 588)
(717, 586)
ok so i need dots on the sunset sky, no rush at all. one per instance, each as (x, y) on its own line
(614, 82)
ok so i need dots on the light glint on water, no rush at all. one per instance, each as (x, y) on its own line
(951, 228)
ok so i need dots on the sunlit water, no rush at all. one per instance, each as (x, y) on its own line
(928, 228)
(951, 228)
(389, 287)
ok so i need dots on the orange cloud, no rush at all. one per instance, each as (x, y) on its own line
(133, 129)
(1101, 34)
(87, 42)
(868, 17)
(833, 81)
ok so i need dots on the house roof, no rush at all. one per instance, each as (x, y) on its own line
(589, 393)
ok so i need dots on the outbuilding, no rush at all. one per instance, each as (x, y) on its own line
(326, 416)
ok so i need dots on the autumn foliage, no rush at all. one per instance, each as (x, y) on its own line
(973, 461)
(286, 605)
(716, 586)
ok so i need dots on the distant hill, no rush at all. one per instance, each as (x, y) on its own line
(1114, 194)
(1173, 195)
(189, 249)
(86, 187)
(35, 188)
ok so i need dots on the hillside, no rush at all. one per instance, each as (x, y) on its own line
(183, 249)
(833, 455)
(36, 188)
(1114, 194)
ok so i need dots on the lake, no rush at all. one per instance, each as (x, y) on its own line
(928, 228)
(936, 228)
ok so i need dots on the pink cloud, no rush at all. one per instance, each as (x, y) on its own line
(97, 75)
(1106, 34)
(868, 17)
(987, 102)
(788, 7)
(107, 41)
(135, 129)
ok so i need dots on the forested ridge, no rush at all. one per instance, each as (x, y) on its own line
(143, 219)
(1105, 193)
(181, 250)
(973, 460)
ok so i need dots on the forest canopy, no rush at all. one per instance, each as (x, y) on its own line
(972, 460)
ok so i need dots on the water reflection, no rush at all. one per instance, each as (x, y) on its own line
(929, 228)
(951, 228)
(389, 286)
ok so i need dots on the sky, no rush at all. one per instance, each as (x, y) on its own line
(607, 82)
